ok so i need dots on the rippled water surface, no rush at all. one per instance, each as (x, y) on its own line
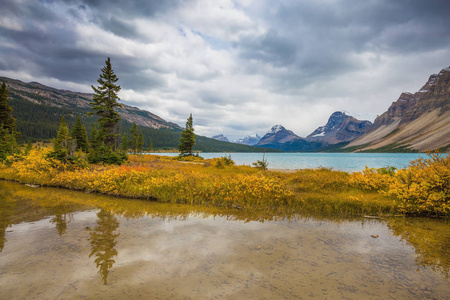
(58, 244)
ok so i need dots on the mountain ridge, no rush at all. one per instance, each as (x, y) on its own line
(221, 137)
(38, 109)
(339, 129)
(65, 98)
(415, 122)
(249, 140)
(277, 135)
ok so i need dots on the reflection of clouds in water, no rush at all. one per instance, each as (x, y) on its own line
(35, 238)
(204, 257)
(193, 246)
(362, 241)
(27, 227)
(35, 249)
(199, 237)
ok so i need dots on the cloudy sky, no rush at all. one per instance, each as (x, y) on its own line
(239, 66)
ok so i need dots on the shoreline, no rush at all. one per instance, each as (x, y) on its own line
(217, 182)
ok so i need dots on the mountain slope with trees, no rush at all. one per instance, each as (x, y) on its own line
(39, 109)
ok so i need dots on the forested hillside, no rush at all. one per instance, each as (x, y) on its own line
(39, 110)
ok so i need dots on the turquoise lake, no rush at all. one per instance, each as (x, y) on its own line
(350, 162)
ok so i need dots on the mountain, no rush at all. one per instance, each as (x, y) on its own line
(249, 140)
(39, 108)
(37, 93)
(221, 137)
(415, 122)
(276, 137)
(340, 128)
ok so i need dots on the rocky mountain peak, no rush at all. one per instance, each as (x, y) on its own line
(408, 107)
(278, 135)
(221, 137)
(250, 140)
(339, 128)
(419, 121)
(336, 119)
(277, 128)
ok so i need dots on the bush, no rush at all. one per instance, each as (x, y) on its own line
(224, 161)
(371, 179)
(104, 154)
(424, 187)
(188, 158)
(261, 164)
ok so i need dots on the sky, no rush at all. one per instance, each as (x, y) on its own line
(239, 66)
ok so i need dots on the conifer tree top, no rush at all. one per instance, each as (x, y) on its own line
(104, 104)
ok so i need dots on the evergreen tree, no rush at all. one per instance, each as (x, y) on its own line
(8, 144)
(104, 102)
(124, 146)
(93, 142)
(80, 136)
(63, 145)
(6, 119)
(187, 140)
(8, 133)
(140, 142)
(134, 141)
(84, 139)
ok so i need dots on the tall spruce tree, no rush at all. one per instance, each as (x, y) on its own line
(104, 104)
(124, 145)
(7, 121)
(134, 138)
(8, 133)
(140, 142)
(187, 140)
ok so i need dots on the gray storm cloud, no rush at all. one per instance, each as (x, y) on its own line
(240, 66)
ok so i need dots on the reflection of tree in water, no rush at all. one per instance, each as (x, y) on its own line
(7, 208)
(60, 219)
(430, 239)
(103, 240)
(3, 225)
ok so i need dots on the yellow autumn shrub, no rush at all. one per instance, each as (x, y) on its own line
(424, 187)
(33, 168)
(372, 179)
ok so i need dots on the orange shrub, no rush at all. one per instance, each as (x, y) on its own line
(424, 187)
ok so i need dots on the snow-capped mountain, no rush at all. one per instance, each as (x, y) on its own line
(277, 135)
(250, 140)
(339, 128)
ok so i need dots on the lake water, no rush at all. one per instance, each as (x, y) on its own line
(59, 244)
(349, 162)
